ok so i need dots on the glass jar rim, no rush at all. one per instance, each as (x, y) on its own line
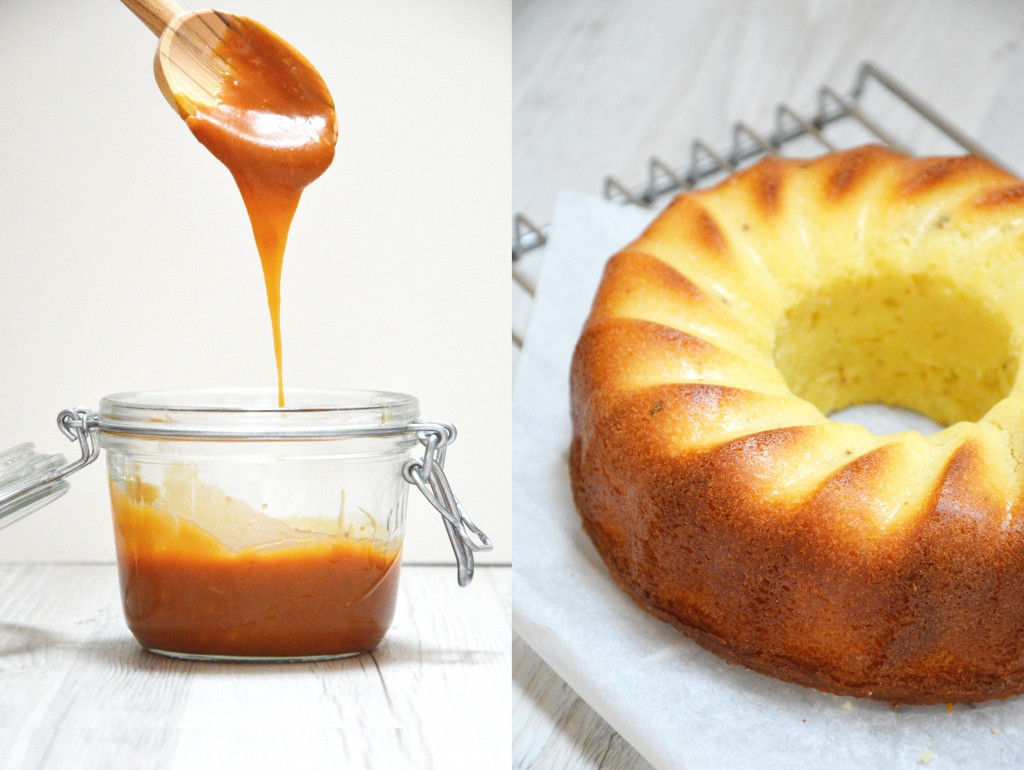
(253, 413)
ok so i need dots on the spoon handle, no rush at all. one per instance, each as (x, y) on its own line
(155, 14)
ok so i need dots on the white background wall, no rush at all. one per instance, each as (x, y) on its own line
(128, 262)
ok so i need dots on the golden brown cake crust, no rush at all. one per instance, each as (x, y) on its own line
(690, 485)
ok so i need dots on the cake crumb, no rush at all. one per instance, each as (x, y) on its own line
(926, 756)
(847, 706)
(996, 731)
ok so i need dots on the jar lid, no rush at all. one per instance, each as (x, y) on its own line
(253, 413)
(28, 481)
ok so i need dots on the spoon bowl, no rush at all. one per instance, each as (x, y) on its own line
(196, 49)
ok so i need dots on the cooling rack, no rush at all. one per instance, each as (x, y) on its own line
(878, 108)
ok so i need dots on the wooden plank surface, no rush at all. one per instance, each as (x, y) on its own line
(551, 727)
(600, 86)
(435, 694)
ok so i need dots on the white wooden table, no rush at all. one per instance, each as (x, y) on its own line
(599, 86)
(76, 691)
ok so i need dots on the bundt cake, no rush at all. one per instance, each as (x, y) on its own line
(715, 487)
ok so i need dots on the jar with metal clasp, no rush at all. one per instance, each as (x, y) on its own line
(248, 531)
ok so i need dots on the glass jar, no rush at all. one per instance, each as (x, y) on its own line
(245, 530)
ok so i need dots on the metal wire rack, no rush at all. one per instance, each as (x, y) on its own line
(839, 121)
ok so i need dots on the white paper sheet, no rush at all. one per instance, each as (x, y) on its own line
(678, 705)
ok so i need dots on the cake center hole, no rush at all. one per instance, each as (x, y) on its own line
(913, 342)
(884, 420)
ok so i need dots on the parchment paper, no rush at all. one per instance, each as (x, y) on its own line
(678, 705)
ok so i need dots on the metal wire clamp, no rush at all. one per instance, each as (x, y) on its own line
(429, 478)
(79, 425)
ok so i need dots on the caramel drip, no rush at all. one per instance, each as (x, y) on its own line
(274, 127)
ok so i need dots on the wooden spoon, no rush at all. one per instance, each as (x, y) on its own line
(259, 106)
(188, 69)
(190, 64)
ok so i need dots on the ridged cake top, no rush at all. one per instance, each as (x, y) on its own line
(748, 311)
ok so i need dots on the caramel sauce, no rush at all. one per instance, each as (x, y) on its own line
(185, 591)
(274, 126)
